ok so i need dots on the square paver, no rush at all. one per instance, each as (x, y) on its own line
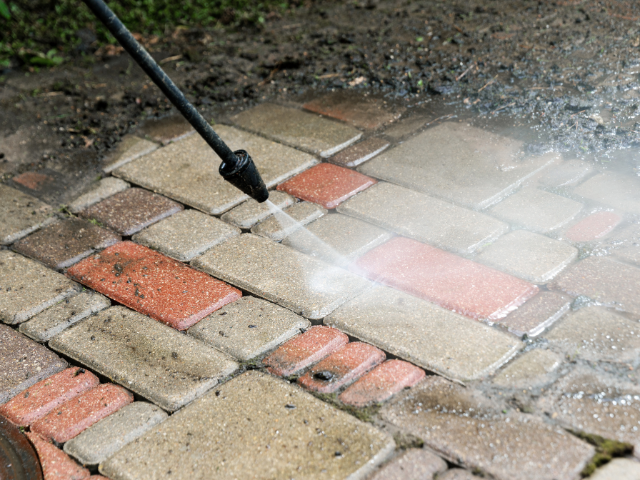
(415, 463)
(186, 234)
(67, 242)
(282, 275)
(231, 433)
(21, 214)
(360, 152)
(23, 363)
(595, 226)
(537, 210)
(156, 362)
(613, 189)
(27, 287)
(154, 284)
(249, 213)
(537, 314)
(450, 281)
(425, 334)
(424, 218)
(187, 171)
(129, 148)
(98, 192)
(465, 165)
(248, 327)
(166, 130)
(327, 185)
(565, 173)
(528, 255)
(299, 129)
(132, 210)
(290, 220)
(55, 463)
(530, 370)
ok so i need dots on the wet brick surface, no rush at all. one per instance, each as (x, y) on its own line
(360, 152)
(413, 463)
(594, 226)
(21, 214)
(614, 190)
(537, 314)
(56, 465)
(567, 173)
(279, 225)
(249, 213)
(532, 369)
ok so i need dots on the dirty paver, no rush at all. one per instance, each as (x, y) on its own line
(594, 226)
(292, 219)
(249, 213)
(56, 465)
(532, 369)
(360, 152)
(129, 148)
(245, 414)
(415, 463)
(614, 190)
(21, 214)
(537, 314)
(566, 173)
(168, 129)
(101, 190)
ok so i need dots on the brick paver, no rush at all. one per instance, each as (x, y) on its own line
(618, 469)
(99, 191)
(154, 284)
(292, 218)
(304, 350)
(48, 394)
(21, 214)
(15, 446)
(249, 213)
(614, 190)
(129, 148)
(327, 185)
(625, 244)
(566, 173)
(56, 465)
(281, 275)
(382, 383)
(594, 226)
(424, 218)
(254, 426)
(164, 366)
(453, 282)
(299, 129)
(131, 210)
(425, 334)
(537, 314)
(186, 234)
(167, 129)
(412, 464)
(187, 171)
(33, 180)
(248, 327)
(360, 152)
(530, 370)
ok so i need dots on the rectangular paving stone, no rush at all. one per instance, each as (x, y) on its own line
(103, 439)
(27, 287)
(48, 394)
(423, 218)
(154, 284)
(465, 165)
(187, 171)
(425, 334)
(414, 463)
(249, 213)
(625, 244)
(61, 316)
(440, 277)
(131, 210)
(290, 220)
(231, 433)
(360, 152)
(528, 255)
(537, 314)
(98, 192)
(465, 427)
(186, 234)
(566, 173)
(281, 275)
(594, 226)
(56, 465)
(64, 243)
(457, 474)
(615, 190)
(129, 148)
(166, 130)
(21, 214)
(156, 362)
(530, 370)
(248, 327)
(23, 363)
(618, 469)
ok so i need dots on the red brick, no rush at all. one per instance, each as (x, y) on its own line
(154, 284)
(32, 180)
(342, 367)
(56, 465)
(382, 382)
(78, 414)
(594, 226)
(327, 185)
(46, 395)
(304, 350)
(443, 278)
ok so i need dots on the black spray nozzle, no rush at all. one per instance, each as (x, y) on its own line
(244, 175)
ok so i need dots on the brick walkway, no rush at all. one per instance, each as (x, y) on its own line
(453, 307)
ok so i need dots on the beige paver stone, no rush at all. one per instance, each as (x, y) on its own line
(537, 314)
(618, 469)
(187, 170)
(292, 218)
(566, 173)
(457, 474)
(247, 214)
(623, 244)
(423, 218)
(130, 148)
(21, 214)
(613, 189)
(254, 426)
(412, 464)
(532, 369)
(425, 334)
(99, 191)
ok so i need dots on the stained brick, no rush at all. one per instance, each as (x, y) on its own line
(56, 465)
(166, 130)
(129, 148)
(21, 214)
(360, 152)
(98, 192)
(32, 180)
(413, 464)
(594, 226)
(537, 314)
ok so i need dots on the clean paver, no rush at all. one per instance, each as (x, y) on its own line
(67, 242)
(166, 130)
(298, 129)
(186, 234)
(424, 218)
(566, 173)
(425, 334)
(360, 152)
(292, 219)
(281, 275)
(102, 189)
(56, 465)
(528, 255)
(618, 469)
(100, 441)
(452, 282)
(44, 326)
(129, 148)
(249, 213)
(254, 426)
(131, 210)
(162, 365)
(612, 189)
(154, 284)
(187, 171)
(530, 370)
(23, 363)
(594, 226)
(21, 214)
(327, 185)
(27, 287)
(304, 350)
(537, 314)
(248, 327)
(414, 464)
(537, 210)
(481, 168)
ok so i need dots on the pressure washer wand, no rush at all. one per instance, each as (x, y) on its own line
(237, 167)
